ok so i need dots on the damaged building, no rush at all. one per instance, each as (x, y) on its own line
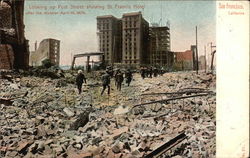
(159, 46)
(14, 48)
(48, 49)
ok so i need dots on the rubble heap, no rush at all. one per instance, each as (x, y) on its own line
(41, 118)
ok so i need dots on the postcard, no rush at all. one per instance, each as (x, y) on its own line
(124, 79)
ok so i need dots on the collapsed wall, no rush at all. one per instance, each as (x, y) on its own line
(14, 49)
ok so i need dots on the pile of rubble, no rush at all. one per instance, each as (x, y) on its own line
(41, 118)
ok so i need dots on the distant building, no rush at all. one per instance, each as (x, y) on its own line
(135, 31)
(123, 40)
(130, 41)
(109, 31)
(183, 60)
(159, 46)
(48, 49)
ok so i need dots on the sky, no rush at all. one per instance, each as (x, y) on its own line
(77, 32)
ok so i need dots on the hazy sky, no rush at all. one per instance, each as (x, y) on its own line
(78, 32)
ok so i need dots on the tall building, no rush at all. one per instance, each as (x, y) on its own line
(110, 38)
(48, 49)
(134, 39)
(159, 46)
(131, 41)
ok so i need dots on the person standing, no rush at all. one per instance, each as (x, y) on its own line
(155, 72)
(106, 82)
(150, 72)
(79, 80)
(142, 71)
(128, 76)
(119, 79)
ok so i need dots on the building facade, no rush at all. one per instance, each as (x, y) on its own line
(183, 60)
(48, 49)
(135, 31)
(109, 31)
(159, 46)
(124, 40)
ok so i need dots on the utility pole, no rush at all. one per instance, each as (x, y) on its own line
(113, 53)
(212, 56)
(205, 59)
(212, 53)
(197, 62)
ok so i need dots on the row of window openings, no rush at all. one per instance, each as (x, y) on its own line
(130, 57)
(131, 31)
(104, 41)
(130, 43)
(104, 45)
(104, 20)
(127, 42)
(103, 49)
(105, 32)
(131, 18)
(130, 62)
(130, 47)
(128, 26)
(103, 28)
(103, 38)
(130, 39)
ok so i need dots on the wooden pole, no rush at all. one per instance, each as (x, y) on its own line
(205, 59)
(197, 62)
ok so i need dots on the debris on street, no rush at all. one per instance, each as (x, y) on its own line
(40, 118)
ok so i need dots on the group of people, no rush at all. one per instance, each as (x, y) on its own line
(150, 72)
(118, 76)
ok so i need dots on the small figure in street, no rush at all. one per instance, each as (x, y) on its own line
(106, 82)
(128, 76)
(155, 71)
(143, 72)
(79, 80)
(119, 79)
(110, 71)
(162, 71)
(116, 72)
(150, 72)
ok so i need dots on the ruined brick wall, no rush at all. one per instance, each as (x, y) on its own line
(12, 33)
(5, 15)
(6, 52)
(6, 57)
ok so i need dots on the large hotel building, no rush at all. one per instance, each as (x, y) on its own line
(130, 40)
(134, 39)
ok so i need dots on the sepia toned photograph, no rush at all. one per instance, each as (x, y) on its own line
(109, 79)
